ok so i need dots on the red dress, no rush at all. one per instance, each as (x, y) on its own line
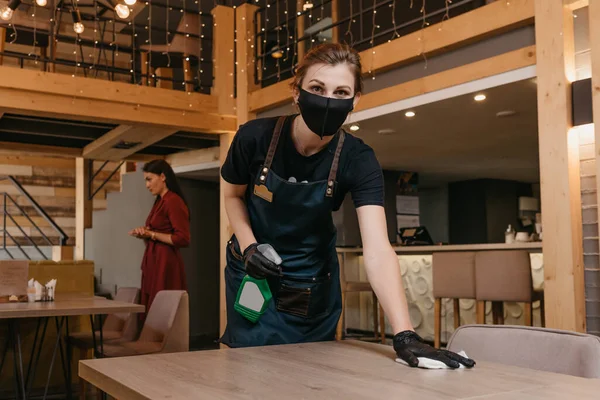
(162, 265)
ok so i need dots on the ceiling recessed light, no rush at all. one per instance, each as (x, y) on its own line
(354, 127)
(386, 131)
(480, 97)
(410, 114)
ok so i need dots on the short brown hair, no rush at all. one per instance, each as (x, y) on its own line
(330, 54)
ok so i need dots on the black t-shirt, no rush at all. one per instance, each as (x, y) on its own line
(359, 171)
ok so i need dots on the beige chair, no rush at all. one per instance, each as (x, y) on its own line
(542, 349)
(166, 329)
(505, 275)
(453, 276)
(116, 327)
(354, 287)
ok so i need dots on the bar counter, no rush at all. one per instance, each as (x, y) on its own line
(415, 266)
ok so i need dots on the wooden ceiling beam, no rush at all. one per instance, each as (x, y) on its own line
(194, 157)
(131, 139)
(492, 19)
(38, 93)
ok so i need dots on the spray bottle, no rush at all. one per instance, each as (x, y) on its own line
(254, 294)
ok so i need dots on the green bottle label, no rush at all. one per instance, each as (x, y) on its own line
(252, 298)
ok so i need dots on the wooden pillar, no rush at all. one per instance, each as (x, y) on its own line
(144, 67)
(164, 73)
(187, 73)
(245, 83)
(83, 205)
(335, 35)
(559, 168)
(60, 253)
(300, 29)
(224, 62)
(2, 42)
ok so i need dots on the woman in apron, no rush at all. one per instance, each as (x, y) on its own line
(283, 178)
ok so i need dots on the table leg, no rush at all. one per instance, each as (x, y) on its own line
(69, 359)
(63, 356)
(58, 330)
(4, 353)
(17, 356)
(37, 359)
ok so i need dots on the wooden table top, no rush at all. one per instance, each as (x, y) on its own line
(66, 306)
(327, 370)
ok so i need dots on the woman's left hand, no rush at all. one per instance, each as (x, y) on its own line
(409, 346)
(142, 233)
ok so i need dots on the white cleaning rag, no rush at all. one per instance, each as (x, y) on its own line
(428, 363)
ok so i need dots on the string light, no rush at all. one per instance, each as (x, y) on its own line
(395, 34)
(33, 49)
(279, 52)
(373, 40)
(446, 15)
(422, 38)
(349, 31)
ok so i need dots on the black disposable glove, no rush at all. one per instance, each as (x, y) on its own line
(257, 265)
(409, 346)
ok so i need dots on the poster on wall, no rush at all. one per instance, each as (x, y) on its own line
(408, 183)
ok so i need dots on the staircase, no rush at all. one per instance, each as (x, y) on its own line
(37, 202)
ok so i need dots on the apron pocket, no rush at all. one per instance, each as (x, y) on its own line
(307, 300)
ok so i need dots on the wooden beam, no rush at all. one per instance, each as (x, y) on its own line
(60, 253)
(34, 161)
(478, 70)
(594, 37)
(244, 81)
(83, 206)
(335, 7)
(559, 169)
(194, 157)
(61, 96)
(300, 23)
(138, 136)
(576, 4)
(10, 148)
(492, 19)
(2, 42)
(223, 42)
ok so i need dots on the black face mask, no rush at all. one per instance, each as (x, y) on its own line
(324, 115)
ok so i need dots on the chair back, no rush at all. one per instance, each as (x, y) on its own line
(167, 321)
(453, 274)
(542, 349)
(124, 322)
(503, 275)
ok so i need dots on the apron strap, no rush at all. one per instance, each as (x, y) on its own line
(272, 149)
(334, 165)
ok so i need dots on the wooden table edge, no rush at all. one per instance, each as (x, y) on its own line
(107, 384)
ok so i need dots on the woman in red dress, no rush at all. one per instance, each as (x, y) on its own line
(167, 229)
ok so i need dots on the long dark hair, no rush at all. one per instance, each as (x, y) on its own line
(159, 167)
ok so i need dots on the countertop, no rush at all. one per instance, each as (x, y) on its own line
(453, 247)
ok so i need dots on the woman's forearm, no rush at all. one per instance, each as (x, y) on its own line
(162, 237)
(383, 272)
(237, 212)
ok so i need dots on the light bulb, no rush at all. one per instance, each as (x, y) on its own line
(6, 13)
(130, 2)
(122, 11)
(78, 28)
(410, 114)
(354, 127)
(480, 97)
(41, 3)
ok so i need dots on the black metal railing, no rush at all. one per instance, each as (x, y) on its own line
(7, 215)
(104, 60)
(91, 191)
(277, 38)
